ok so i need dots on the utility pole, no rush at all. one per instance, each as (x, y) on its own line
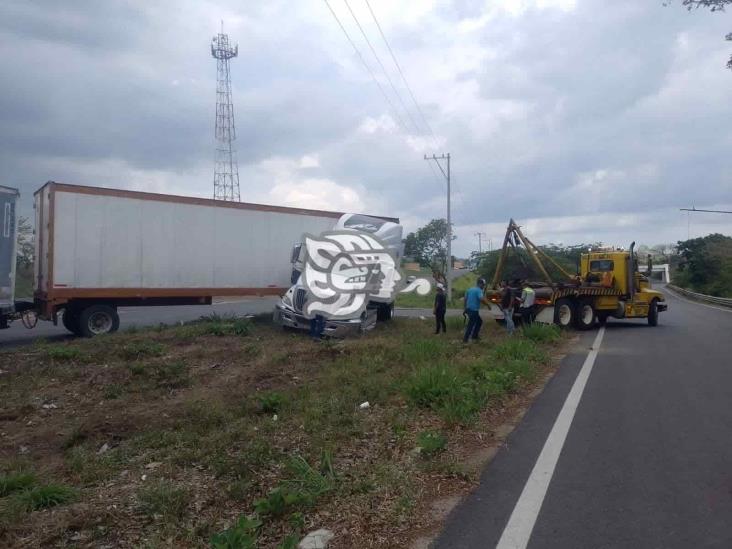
(480, 241)
(446, 173)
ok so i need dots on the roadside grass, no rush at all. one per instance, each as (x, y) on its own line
(233, 433)
(459, 285)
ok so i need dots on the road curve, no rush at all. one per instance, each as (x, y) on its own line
(647, 461)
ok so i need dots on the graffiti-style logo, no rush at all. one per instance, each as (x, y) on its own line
(344, 270)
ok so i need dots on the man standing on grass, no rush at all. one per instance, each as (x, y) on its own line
(473, 298)
(440, 309)
(527, 304)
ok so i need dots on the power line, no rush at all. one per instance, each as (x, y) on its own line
(401, 73)
(693, 209)
(383, 68)
(363, 61)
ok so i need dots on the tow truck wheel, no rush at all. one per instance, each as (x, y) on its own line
(653, 313)
(564, 313)
(585, 315)
(384, 312)
(97, 320)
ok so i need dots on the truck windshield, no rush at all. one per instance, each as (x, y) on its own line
(364, 223)
(602, 266)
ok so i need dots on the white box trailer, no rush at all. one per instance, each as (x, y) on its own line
(99, 248)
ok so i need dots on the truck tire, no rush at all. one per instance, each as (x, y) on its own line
(384, 312)
(585, 317)
(97, 320)
(70, 320)
(564, 313)
(653, 313)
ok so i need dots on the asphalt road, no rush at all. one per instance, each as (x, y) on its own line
(153, 316)
(647, 458)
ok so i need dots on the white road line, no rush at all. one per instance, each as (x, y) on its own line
(518, 530)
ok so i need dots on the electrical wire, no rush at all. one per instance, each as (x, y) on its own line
(401, 73)
(368, 68)
(383, 68)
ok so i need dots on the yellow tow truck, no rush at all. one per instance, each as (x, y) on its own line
(608, 285)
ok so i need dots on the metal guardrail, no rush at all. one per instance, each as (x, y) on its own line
(723, 301)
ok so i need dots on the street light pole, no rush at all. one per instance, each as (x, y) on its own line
(446, 173)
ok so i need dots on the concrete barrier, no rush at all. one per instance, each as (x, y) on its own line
(723, 301)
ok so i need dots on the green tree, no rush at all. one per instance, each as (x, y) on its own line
(24, 259)
(706, 265)
(713, 5)
(428, 246)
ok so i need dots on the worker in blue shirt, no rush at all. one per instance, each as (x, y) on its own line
(473, 299)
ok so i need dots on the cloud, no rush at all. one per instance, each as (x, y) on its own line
(584, 120)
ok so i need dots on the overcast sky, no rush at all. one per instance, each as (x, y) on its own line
(584, 120)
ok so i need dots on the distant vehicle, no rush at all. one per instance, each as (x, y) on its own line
(289, 311)
(98, 249)
(608, 285)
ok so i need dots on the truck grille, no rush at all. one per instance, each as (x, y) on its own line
(299, 302)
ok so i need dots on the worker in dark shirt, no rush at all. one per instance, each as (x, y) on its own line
(439, 309)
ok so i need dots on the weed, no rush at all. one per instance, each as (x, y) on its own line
(15, 482)
(518, 348)
(63, 352)
(113, 391)
(90, 467)
(542, 333)
(48, 495)
(139, 349)
(431, 443)
(290, 542)
(242, 535)
(270, 402)
(164, 498)
(279, 501)
(238, 490)
(429, 387)
(422, 351)
(77, 435)
(309, 481)
(136, 368)
(172, 375)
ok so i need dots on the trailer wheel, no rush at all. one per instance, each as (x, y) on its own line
(585, 315)
(97, 320)
(70, 320)
(564, 313)
(653, 313)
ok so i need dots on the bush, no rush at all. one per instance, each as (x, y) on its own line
(518, 348)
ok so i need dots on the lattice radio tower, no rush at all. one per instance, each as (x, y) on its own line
(226, 171)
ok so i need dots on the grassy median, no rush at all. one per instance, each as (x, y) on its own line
(234, 433)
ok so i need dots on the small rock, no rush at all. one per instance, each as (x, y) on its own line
(364, 405)
(319, 539)
(143, 478)
(50, 406)
(217, 365)
(23, 450)
(422, 317)
(104, 448)
(29, 424)
(3, 372)
(274, 417)
(153, 465)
